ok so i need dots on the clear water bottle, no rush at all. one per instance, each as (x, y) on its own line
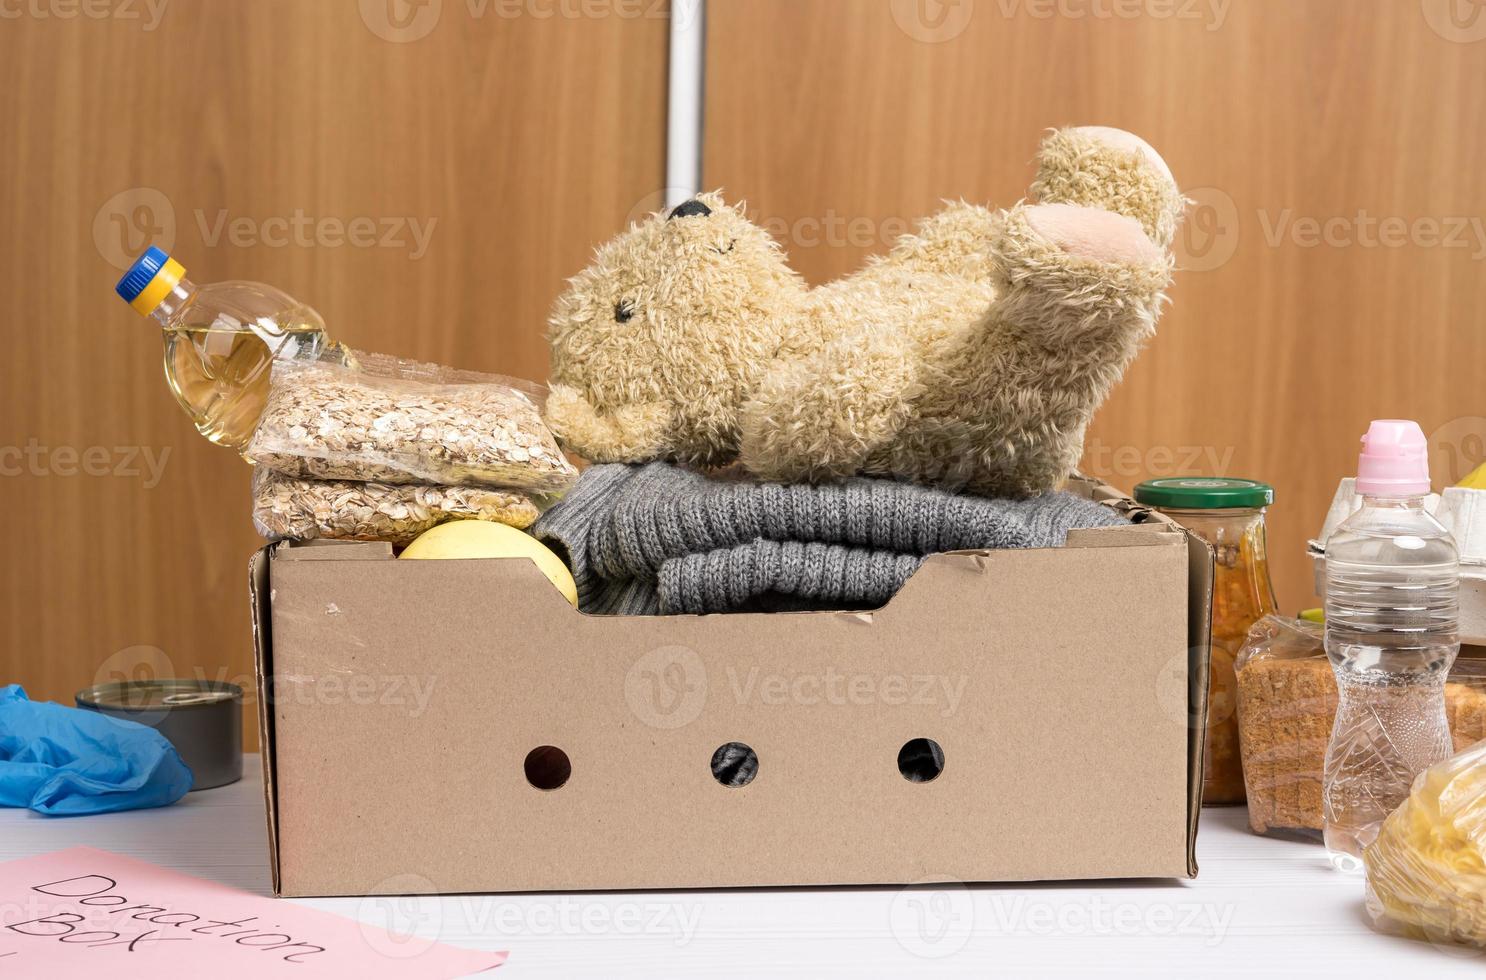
(221, 340)
(1392, 600)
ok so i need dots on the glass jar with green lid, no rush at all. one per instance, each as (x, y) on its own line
(1229, 516)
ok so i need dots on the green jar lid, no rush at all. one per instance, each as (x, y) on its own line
(1203, 493)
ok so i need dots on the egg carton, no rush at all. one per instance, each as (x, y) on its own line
(1463, 511)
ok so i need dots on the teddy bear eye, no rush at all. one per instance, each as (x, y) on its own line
(624, 310)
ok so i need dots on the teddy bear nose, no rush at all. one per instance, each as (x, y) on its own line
(690, 209)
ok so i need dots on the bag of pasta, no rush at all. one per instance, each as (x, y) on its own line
(1426, 870)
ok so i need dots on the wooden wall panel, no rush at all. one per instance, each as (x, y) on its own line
(248, 137)
(1335, 256)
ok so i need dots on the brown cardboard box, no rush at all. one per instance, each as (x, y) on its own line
(1066, 688)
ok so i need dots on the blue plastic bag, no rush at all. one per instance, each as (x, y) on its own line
(65, 761)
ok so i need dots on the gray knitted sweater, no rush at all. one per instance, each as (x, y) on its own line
(660, 539)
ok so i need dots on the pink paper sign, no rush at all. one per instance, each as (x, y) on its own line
(82, 913)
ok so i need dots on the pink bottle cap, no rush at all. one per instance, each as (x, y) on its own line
(1394, 460)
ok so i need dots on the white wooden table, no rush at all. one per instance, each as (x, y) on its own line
(1260, 908)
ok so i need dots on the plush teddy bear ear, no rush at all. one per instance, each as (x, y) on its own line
(690, 209)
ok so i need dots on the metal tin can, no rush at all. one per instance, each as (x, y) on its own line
(202, 719)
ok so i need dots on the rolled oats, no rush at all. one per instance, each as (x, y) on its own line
(299, 509)
(329, 422)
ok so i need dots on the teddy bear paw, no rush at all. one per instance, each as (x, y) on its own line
(1092, 233)
(1065, 271)
(1113, 170)
(620, 434)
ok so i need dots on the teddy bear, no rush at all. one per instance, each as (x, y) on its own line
(972, 355)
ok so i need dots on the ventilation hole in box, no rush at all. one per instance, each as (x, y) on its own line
(920, 760)
(734, 764)
(547, 767)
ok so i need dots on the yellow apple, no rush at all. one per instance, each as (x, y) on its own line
(487, 539)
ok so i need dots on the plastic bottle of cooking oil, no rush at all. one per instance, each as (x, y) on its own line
(1392, 601)
(220, 341)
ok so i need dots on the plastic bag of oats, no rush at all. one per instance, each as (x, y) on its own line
(394, 421)
(299, 509)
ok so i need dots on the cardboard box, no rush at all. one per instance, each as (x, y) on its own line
(1066, 687)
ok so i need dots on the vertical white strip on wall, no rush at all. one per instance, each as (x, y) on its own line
(684, 101)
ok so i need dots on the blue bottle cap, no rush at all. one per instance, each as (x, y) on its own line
(149, 280)
(140, 273)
